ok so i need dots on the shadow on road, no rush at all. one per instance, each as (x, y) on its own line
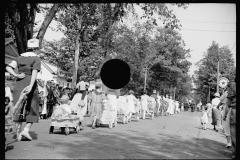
(33, 135)
(9, 148)
(136, 145)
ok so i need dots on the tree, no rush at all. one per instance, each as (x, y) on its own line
(20, 21)
(206, 76)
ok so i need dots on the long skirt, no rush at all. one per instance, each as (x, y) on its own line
(96, 110)
(216, 117)
(75, 101)
(226, 124)
(113, 102)
(233, 125)
(32, 100)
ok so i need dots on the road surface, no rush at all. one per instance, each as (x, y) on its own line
(178, 136)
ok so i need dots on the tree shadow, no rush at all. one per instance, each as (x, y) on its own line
(137, 145)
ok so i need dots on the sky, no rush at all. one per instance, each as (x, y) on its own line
(201, 25)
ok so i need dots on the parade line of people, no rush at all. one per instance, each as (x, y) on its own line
(32, 101)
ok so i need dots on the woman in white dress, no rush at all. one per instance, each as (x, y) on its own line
(131, 105)
(79, 101)
(144, 104)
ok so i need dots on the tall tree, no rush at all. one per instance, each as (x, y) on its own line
(20, 20)
(206, 75)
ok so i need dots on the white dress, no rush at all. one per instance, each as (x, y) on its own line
(130, 103)
(113, 102)
(144, 102)
(74, 104)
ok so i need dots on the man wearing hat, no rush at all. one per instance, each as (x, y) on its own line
(216, 113)
(28, 64)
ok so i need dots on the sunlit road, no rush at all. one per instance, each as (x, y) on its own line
(175, 136)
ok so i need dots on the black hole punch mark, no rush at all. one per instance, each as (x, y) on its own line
(115, 74)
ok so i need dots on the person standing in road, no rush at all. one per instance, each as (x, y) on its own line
(96, 104)
(204, 118)
(28, 64)
(225, 102)
(232, 97)
(130, 103)
(144, 103)
(216, 113)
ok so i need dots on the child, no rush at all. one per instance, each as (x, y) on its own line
(204, 118)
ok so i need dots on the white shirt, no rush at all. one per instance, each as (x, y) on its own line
(8, 93)
(215, 102)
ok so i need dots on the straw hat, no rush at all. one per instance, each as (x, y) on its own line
(217, 95)
(131, 92)
(33, 43)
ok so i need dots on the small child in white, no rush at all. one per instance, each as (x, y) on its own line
(204, 118)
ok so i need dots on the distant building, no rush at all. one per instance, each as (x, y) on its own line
(48, 71)
(51, 72)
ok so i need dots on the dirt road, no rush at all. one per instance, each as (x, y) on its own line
(175, 136)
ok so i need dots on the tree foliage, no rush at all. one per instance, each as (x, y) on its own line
(206, 75)
(20, 21)
(102, 36)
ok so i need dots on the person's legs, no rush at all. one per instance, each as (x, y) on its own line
(130, 115)
(18, 126)
(228, 141)
(143, 114)
(25, 131)
(94, 122)
(205, 126)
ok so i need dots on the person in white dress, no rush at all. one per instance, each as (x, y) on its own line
(169, 105)
(144, 104)
(158, 103)
(131, 105)
(79, 102)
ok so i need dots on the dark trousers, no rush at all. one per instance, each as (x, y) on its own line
(49, 109)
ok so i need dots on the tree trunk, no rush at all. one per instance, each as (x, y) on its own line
(77, 49)
(18, 40)
(17, 33)
(33, 11)
(46, 22)
(77, 45)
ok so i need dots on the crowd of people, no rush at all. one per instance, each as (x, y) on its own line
(43, 98)
(222, 113)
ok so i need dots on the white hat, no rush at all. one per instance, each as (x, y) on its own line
(217, 95)
(33, 43)
(154, 91)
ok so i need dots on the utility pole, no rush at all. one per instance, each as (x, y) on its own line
(209, 93)
(145, 82)
(218, 77)
(174, 93)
